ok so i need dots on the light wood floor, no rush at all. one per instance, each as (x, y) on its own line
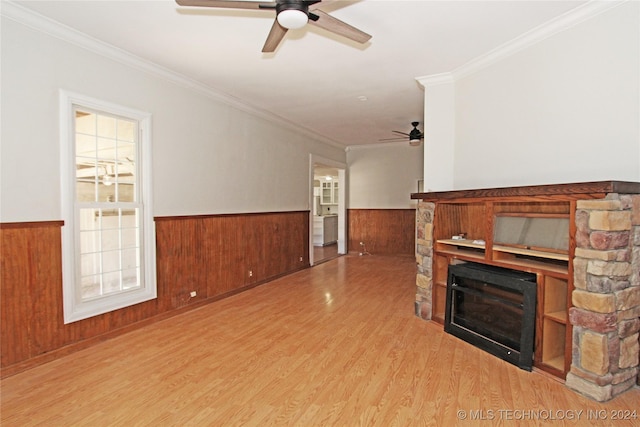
(324, 253)
(334, 345)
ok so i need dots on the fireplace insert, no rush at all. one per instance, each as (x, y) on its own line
(494, 309)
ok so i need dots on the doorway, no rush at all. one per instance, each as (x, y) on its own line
(327, 230)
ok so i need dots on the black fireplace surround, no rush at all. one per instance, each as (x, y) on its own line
(494, 309)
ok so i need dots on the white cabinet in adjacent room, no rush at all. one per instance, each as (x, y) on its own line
(325, 230)
(329, 192)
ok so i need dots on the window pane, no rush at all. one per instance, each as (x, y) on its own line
(86, 191)
(126, 171)
(85, 122)
(110, 251)
(126, 130)
(129, 238)
(106, 149)
(131, 278)
(89, 219)
(126, 152)
(90, 264)
(106, 189)
(90, 287)
(110, 239)
(111, 261)
(106, 126)
(129, 230)
(111, 282)
(86, 145)
(87, 168)
(126, 192)
(130, 258)
(90, 241)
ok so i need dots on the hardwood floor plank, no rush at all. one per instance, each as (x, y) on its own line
(337, 344)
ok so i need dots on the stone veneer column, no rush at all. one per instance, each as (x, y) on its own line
(606, 298)
(424, 259)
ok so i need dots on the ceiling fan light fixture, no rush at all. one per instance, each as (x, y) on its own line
(414, 136)
(292, 19)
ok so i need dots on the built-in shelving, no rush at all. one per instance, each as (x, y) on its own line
(467, 231)
(554, 325)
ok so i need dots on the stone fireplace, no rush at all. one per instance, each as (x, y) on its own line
(603, 273)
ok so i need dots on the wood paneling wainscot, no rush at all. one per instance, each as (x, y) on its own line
(383, 231)
(214, 255)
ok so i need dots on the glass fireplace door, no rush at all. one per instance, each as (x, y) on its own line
(494, 309)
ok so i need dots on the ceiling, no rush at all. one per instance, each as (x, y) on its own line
(346, 93)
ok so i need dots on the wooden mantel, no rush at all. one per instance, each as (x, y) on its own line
(593, 189)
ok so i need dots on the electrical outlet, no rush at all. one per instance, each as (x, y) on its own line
(250, 273)
(193, 294)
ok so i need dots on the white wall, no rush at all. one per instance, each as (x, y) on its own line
(439, 131)
(384, 176)
(566, 109)
(208, 157)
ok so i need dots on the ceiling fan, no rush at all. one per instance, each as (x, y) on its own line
(290, 14)
(415, 136)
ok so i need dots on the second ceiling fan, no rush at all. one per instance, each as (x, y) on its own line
(414, 137)
(290, 14)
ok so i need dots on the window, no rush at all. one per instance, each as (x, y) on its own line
(108, 237)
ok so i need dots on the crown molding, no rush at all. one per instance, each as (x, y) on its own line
(554, 26)
(67, 34)
(435, 79)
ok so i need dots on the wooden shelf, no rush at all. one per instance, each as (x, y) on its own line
(558, 316)
(529, 264)
(531, 253)
(556, 363)
(463, 249)
(466, 243)
(462, 254)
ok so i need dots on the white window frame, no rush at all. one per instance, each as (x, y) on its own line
(74, 307)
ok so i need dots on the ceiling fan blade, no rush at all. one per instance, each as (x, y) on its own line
(339, 27)
(392, 139)
(227, 4)
(274, 38)
(401, 133)
(316, 4)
